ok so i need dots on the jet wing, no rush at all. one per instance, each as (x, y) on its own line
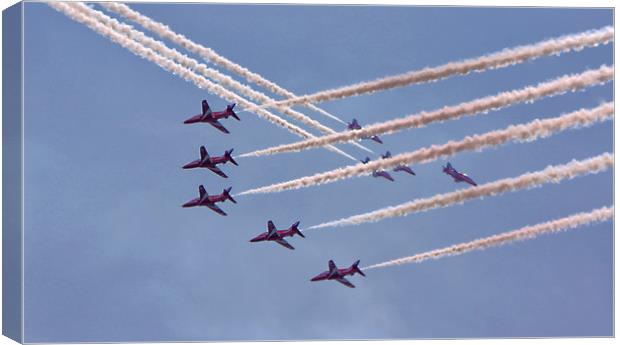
(283, 242)
(469, 180)
(344, 281)
(377, 139)
(216, 209)
(270, 226)
(217, 171)
(218, 125)
(332, 265)
(385, 175)
(405, 169)
(261, 237)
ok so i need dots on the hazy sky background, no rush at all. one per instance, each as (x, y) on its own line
(110, 255)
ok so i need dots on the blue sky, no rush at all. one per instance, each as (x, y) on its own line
(111, 256)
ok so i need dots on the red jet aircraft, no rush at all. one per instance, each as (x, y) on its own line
(210, 200)
(354, 125)
(212, 117)
(337, 274)
(210, 163)
(458, 176)
(379, 173)
(273, 234)
(404, 168)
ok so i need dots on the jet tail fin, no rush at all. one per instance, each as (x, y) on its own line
(205, 107)
(228, 156)
(203, 153)
(232, 113)
(295, 229)
(357, 269)
(202, 191)
(226, 193)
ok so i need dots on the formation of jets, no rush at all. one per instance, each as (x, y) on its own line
(385, 174)
(208, 162)
(404, 168)
(354, 125)
(379, 173)
(273, 234)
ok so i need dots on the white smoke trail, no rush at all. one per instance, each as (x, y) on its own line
(170, 66)
(481, 105)
(209, 54)
(524, 132)
(552, 174)
(504, 58)
(525, 233)
(194, 65)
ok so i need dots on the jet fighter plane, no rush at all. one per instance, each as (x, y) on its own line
(334, 273)
(379, 173)
(354, 125)
(404, 168)
(458, 176)
(277, 236)
(210, 163)
(212, 118)
(210, 200)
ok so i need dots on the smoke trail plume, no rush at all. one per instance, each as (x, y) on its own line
(209, 54)
(496, 60)
(552, 174)
(521, 133)
(481, 105)
(526, 233)
(170, 66)
(194, 65)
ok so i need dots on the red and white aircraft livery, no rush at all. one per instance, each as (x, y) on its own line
(338, 274)
(277, 236)
(212, 118)
(210, 200)
(458, 176)
(210, 163)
